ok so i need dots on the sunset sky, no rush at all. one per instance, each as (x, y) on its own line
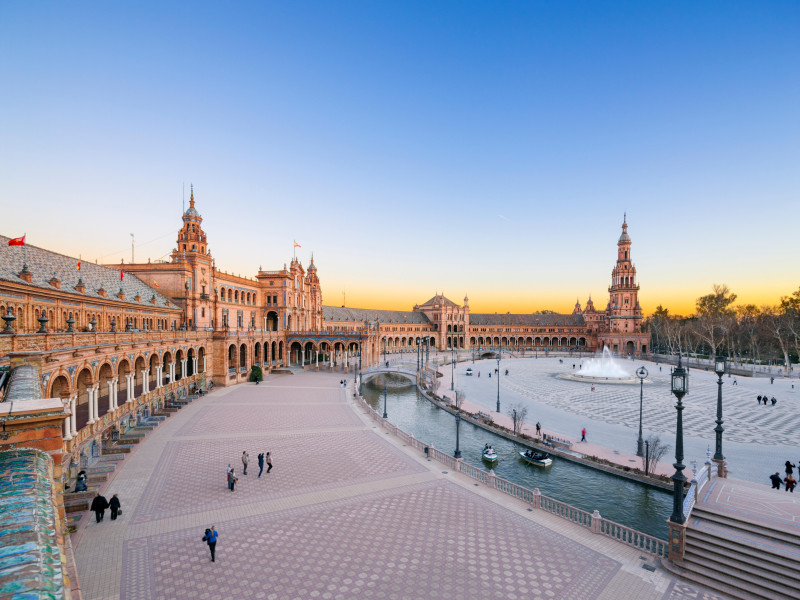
(477, 148)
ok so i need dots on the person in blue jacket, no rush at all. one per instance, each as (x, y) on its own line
(211, 539)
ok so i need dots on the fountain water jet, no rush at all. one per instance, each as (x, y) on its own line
(601, 370)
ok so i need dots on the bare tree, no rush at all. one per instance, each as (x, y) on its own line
(459, 399)
(517, 414)
(656, 450)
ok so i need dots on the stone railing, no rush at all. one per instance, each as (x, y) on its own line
(698, 481)
(594, 522)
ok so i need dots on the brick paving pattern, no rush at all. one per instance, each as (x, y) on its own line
(347, 512)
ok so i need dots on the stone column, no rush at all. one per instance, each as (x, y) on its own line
(111, 404)
(183, 367)
(90, 405)
(205, 358)
(194, 365)
(68, 423)
(130, 378)
(172, 371)
(145, 381)
(96, 401)
(159, 376)
(73, 420)
(116, 392)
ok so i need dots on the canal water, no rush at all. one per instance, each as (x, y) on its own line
(626, 502)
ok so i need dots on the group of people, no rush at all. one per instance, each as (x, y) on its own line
(766, 399)
(789, 481)
(265, 458)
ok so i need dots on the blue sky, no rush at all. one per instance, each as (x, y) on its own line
(414, 147)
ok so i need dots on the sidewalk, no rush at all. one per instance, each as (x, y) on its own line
(347, 512)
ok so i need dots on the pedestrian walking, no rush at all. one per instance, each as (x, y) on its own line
(269, 462)
(735, 382)
(245, 460)
(210, 538)
(790, 483)
(776, 481)
(99, 506)
(232, 479)
(583, 434)
(260, 464)
(774, 401)
(789, 466)
(115, 506)
(538, 429)
(759, 399)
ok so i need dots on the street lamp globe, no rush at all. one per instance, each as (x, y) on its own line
(719, 365)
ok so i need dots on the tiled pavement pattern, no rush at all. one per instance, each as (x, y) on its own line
(347, 512)
(745, 420)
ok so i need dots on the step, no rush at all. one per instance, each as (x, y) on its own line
(116, 457)
(102, 468)
(748, 574)
(144, 428)
(708, 536)
(714, 584)
(95, 478)
(117, 449)
(77, 506)
(758, 587)
(733, 523)
(157, 417)
(131, 438)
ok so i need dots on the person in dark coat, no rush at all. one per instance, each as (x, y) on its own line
(115, 507)
(260, 464)
(789, 467)
(99, 506)
(776, 481)
(268, 458)
(80, 483)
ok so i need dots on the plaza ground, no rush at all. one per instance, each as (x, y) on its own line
(347, 512)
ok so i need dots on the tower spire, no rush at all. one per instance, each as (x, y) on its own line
(191, 195)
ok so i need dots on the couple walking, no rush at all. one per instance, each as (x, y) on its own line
(262, 458)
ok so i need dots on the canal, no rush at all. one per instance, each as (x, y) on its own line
(626, 502)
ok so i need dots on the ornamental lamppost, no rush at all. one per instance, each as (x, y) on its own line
(457, 453)
(453, 369)
(417, 354)
(385, 415)
(641, 373)
(719, 369)
(498, 383)
(680, 387)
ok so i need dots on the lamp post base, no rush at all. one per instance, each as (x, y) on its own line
(722, 469)
(677, 541)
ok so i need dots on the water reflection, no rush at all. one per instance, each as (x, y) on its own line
(625, 502)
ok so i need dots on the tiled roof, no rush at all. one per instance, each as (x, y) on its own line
(341, 313)
(532, 320)
(42, 264)
(439, 299)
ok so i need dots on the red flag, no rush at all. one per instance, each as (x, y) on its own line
(20, 241)
(155, 284)
(120, 274)
(296, 245)
(79, 265)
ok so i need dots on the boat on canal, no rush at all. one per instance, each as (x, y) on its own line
(534, 457)
(489, 455)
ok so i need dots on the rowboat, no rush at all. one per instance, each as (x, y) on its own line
(489, 455)
(540, 459)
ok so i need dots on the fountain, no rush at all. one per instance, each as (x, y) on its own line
(601, 370)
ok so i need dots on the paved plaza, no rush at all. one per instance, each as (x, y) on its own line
(757, 439)
(347, 512)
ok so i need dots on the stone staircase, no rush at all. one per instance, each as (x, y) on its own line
(739, 557)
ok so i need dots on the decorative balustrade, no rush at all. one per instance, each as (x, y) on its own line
(697, 484)
(594, 522)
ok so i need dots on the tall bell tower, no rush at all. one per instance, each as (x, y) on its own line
(623, 331)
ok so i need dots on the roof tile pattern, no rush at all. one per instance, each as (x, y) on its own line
(43, 264)
(341, 313)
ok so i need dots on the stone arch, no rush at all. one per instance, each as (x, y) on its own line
(280, 351)
(138, 366)
(630, 347)
(243, 357)
(190, 363)
(152, 365)
(83, 382)
(201, 359)
(308, 351)
(123, 370)
(257, 353)
(179, 355)
(274, 354)
(60, 386)
(104, 375)
(272, 321)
